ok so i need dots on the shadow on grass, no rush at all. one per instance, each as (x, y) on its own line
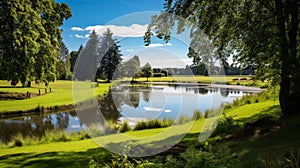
(273, 144)
(54, 159)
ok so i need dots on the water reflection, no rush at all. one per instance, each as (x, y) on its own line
(129, 102)
(35, 125)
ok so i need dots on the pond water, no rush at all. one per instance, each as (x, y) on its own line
(132, 103)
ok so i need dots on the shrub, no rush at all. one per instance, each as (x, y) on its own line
(158, 75)
(197, 115)
(225, 126)
(194, 158)
(153, 124)
(290, 160)
(140, 125)
(165, 72)
(206, 114)
(248, 102)
(39, 109)
(124, 127)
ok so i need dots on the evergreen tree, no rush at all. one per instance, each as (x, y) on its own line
(110, 56)
(63, 64)
(73, 58)
(86, 65)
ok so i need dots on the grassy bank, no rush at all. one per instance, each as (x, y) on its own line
(80, 153)
(61, 94)
(232, 80)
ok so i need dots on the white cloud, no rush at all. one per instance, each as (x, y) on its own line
(79, 36)
(77, 29)
(135, 30)
(157, 45)
(129, 50)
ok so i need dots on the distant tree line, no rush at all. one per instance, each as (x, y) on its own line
(202, 70)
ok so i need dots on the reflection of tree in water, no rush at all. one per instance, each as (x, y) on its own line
(62, 120)
(134, 96)
(109, 106)
(146, 94)
(128, 95)
(33, 126)
(224, 92)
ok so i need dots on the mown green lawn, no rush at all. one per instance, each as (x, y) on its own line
(79, 153)
(61, 95)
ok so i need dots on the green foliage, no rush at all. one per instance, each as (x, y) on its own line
(124, 127)
(225, 126)
(191, 158)
(87, 59)
(131, 68)
(233, 28)
(147, 71)
(291, 160)
(255, 98)
(121, 161)
(165, 72)
(73, 57)
(63, 71)
(158, 75)
(110, 55)
(30, 40)
(197, 115)
(153, 124)
(47, 138)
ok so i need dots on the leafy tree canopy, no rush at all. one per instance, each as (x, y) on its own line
(261, 34)
(29, 39)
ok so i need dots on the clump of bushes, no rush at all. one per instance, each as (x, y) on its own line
(225, 126)
(153, 124)
(48, 137)
(197, 115)
(290, 159)
(124, 127)
(191, 158)
(158, 75)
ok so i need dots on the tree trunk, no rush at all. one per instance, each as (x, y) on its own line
(284, 57)
(28, 84)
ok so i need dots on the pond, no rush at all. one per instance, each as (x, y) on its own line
(131, 103)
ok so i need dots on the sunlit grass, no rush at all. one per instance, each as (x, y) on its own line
(61, 95)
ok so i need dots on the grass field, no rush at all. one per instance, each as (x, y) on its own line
(79, 153)
(61, 95)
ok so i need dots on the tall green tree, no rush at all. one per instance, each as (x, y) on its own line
(63, 65)
(110, 56)
(147, 71)
(261, 34)
(86, 65)
(30, 38)
(73, 58)
(131, 67)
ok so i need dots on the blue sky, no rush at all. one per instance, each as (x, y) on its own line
(128, 21)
